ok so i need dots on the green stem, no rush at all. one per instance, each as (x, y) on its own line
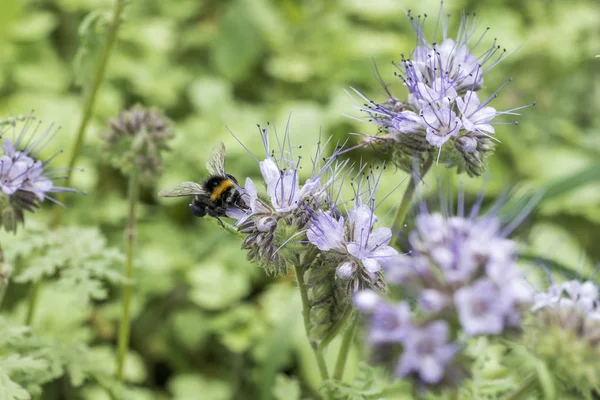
(338, 372)
(124, 328)
(306, 315)
(90, 99)
(404, 206)
(5, 272)
(525, 386)
(348, 311)
(32, 302)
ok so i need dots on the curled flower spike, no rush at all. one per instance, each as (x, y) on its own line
(462, 271)
(25, 180)
(443, 115)
(136, 141)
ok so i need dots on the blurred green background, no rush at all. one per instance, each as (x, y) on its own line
(206, 321)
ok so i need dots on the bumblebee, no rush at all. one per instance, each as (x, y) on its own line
(216, 194)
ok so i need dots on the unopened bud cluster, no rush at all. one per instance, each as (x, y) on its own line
(136, 140)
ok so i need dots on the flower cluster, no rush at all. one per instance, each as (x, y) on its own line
(564, 332)
(25, 180)
(336, 249)
(136, 141)
(276, 226)
(358, 248)
(463, 273)
(443, 116)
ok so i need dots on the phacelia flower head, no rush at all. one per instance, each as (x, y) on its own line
(274, 226)
(280, 233)
(443, 119)
(563, 332)
(462, 272)
(136, 140)
(470, 263)
(360, 248)
(25, 180)
(406, 345)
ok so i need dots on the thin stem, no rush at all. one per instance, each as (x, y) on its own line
(32, 302)
(404, 205)
(124, 328)
(5, 271)
(90, 99)
(525, 386)
(306, 315)
(338, 372)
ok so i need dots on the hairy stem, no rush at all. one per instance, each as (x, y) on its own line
(125, 326)
(404, 205)
(525, 386)
(348, 311)
(90, 99)
(340, 364)
(306, 315)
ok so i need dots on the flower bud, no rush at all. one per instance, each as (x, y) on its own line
(136, 141)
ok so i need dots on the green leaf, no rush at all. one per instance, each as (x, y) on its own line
(286, 388)
(239, 46)
(10, 390)
(80, 255)
(552, 190)
(189, 386)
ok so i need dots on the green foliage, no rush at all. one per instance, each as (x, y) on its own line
(204, 319)
(368, 384)
(79, 256)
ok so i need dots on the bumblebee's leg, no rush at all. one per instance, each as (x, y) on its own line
(216, 213)
(197, 211)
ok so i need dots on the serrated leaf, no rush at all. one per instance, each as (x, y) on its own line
(80, 255)
(10, 390)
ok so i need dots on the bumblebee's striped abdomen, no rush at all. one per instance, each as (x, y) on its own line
(221, 188)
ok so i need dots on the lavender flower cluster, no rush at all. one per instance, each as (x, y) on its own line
(25, 180)
(313, 214)
(443, 116)
(463, 272)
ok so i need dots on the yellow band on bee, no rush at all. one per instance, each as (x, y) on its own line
(222, 187)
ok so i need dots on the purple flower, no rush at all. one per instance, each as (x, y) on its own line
(390, 323)
(573, 294)
(255, 205)
(360, 245)
(474, 116)
(427, 352)
(369, 245)
(442, 124)
(432, 301)
(441, 109)
(481, 308)
(327, 232)
(20, 171)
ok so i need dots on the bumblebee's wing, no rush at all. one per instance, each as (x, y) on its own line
(216, 164)
(183, 189)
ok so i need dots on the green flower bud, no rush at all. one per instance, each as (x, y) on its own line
(136, 141)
